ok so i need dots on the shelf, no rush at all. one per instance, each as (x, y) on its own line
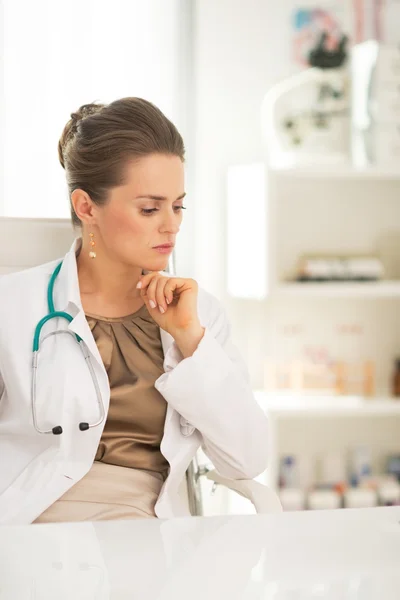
(291, 405)
(339, 172)
(367, 289)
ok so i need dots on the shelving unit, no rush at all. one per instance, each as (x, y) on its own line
(297, 210)
(292, 406)
(345, 171)
(313, 426)
(328, 210)
(380, 289)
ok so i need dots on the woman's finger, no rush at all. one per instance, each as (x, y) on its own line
(150, 292)
(170, 286)
(146, 279)
(160, 294)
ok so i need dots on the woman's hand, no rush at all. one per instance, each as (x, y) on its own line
(172, 302)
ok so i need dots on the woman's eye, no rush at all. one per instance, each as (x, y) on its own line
(149, 211)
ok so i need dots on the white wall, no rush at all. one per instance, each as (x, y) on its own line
(240, 49)
(239, 52)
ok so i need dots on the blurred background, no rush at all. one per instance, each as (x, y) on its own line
(290, 112)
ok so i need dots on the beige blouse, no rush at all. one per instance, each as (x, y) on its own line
(131, 350)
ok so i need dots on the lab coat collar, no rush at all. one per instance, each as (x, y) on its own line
(68, 282)
(69, 299)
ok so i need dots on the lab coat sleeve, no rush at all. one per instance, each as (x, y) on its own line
(212, 392)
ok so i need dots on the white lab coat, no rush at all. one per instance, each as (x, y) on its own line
(209, 399)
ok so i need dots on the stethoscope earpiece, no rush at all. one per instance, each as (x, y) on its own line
(57, 430)
(83, 426)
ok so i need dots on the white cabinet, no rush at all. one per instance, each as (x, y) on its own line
(341, 210)
(277, 214)
(312, 428)
(324, 210)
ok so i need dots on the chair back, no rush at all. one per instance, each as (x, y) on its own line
(26, 243)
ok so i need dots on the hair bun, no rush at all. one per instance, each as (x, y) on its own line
(83, 111)
(86, 110)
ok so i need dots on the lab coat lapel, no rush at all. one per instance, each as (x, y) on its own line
(167, 344)
(172, 355)
(80, 326)
(166, 340)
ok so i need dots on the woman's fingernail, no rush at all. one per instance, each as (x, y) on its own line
(162, 311)
(139, 285)
(167, 301)
(152, 304)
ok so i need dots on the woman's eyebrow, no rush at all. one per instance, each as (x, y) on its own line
(151, 197)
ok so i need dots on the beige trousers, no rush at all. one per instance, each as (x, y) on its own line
(107, 492)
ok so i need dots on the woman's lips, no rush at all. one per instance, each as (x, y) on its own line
(165, 249)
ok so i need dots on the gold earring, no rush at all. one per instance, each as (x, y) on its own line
(92, 253)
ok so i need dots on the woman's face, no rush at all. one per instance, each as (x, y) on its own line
(143, 214)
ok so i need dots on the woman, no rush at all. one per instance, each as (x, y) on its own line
(169, 378)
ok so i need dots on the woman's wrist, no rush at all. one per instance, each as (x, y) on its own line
(188, 339)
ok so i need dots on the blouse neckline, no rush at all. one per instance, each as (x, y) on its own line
(140, 312)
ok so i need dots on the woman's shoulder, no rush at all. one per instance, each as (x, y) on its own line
(25, 281)
(22, 300)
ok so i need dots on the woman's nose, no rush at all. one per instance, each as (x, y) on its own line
(171, 224)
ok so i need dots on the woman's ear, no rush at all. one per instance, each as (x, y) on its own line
(83, 206)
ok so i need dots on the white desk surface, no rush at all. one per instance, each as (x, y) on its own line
(335, 555)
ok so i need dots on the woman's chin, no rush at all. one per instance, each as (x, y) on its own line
(159, 264)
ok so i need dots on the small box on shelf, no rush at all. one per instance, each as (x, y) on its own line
(339, 378)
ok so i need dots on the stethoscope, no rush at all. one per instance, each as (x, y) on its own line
(54, 314)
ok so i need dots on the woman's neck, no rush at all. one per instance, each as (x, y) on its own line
(104, 278)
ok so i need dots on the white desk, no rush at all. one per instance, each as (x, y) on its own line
(340, 555)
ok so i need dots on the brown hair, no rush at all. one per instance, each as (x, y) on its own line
(100, 139)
